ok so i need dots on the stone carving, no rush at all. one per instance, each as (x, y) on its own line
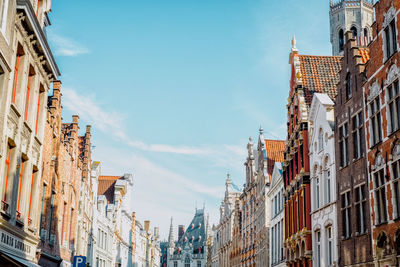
(389, 16)
(396, 150)
(373, 91)
(379, 161)
(392, 75)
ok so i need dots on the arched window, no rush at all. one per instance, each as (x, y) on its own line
(341, 40)
(349, 90)
(366, 34)
(327, 182)
(354, 31)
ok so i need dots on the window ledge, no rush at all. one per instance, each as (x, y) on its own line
(382, 223)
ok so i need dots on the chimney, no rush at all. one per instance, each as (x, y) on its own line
(181, 231)
(146, 226)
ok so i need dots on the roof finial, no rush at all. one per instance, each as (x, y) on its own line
(261, 130)
(171, 236)
(331, 2)
(294, 42)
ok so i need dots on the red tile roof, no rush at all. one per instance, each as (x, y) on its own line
(106, 187)
(320, 75)
(274, 149)
(364, 53)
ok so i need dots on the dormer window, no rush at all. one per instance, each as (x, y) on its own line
(390, 39)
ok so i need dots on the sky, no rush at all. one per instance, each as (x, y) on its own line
(174, 89)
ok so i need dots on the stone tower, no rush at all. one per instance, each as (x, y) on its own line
(350, 15)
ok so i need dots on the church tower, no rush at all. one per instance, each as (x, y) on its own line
(350, 15)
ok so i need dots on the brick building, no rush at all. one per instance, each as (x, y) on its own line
(354, 236)
(382, 122)
(27, 68)
(64, 163)
(309, 74)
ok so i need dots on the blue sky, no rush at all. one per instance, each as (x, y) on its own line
(173, 89)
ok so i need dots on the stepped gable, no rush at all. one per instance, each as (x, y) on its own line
(320, 74)
(274, 150)
(106, 187)
(195, 234)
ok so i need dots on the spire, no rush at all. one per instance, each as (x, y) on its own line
(228, 184)
(171, 242)
(331, 2)
(294, 48)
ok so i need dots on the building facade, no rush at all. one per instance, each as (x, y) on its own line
(309, 74)
(381, 92)
(323, 185)
(27, 68)
(356, 16)
(277, 220)
(191, 249)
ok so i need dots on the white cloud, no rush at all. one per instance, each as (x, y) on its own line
(64, 46)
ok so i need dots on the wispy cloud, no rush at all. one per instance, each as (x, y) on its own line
(64, 46)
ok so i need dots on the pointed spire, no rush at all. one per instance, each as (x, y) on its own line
(171, 236)
(228, 183)
(261, 130)
(294, 43)
(331, 2)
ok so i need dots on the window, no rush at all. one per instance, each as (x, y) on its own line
(28, 91)
(175, 264)
(343, 144)
(187, 262)
(318, 248)
(390, 39)
(41, 91)
(42, 206)
(3, 14)
(327, 176)
(341, 40)
(317, 193)
(354, 31)
(320, 139)
(20, 181)
(70, 238)
(52, 203)
(380, 196)
(346, 207)
(396, 187)
(329, 246)
(394, 106)
(357, 135)
(375, 121)
(360, 205)
(34, 178)
(198, 263)
(366, 34)
(5, 201)
(18, 64)
(349, 89)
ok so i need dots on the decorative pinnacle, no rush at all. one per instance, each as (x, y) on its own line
(294, 42)
(261, 130)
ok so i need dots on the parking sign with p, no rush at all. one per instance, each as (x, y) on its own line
(79, 261)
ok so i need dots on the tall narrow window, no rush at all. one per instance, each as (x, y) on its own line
(360, 205)
(317, 193)
(341, 40)
(329, 246)
(343, 144)
(354, 31)
(346, 220)
(375, 118)
(349, 89)
(318, 248)
(394, 106)
(396, 187)
(28, 92)
(380, 196)
(17, 67)
(34, 174)
(41, 91)
(357, 136)
(42, 207)
(320, 139)
(328, 194)
(52, 203)
(70, 238)
(63, 223)
(390, 39)
(5, 201)
(20, 181)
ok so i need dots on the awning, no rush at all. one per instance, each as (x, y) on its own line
(17, 260)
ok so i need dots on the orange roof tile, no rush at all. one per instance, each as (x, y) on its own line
(320, 75)
(106, 187)
(274, 149)
(364, 53)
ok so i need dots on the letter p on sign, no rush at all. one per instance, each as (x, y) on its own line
(79, 261)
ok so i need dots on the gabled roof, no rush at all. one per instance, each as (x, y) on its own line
(195, 234)
(319, 75)
(274, 150)
(107, 187)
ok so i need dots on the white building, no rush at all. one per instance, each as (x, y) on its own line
(277, 219)
(323, 197)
